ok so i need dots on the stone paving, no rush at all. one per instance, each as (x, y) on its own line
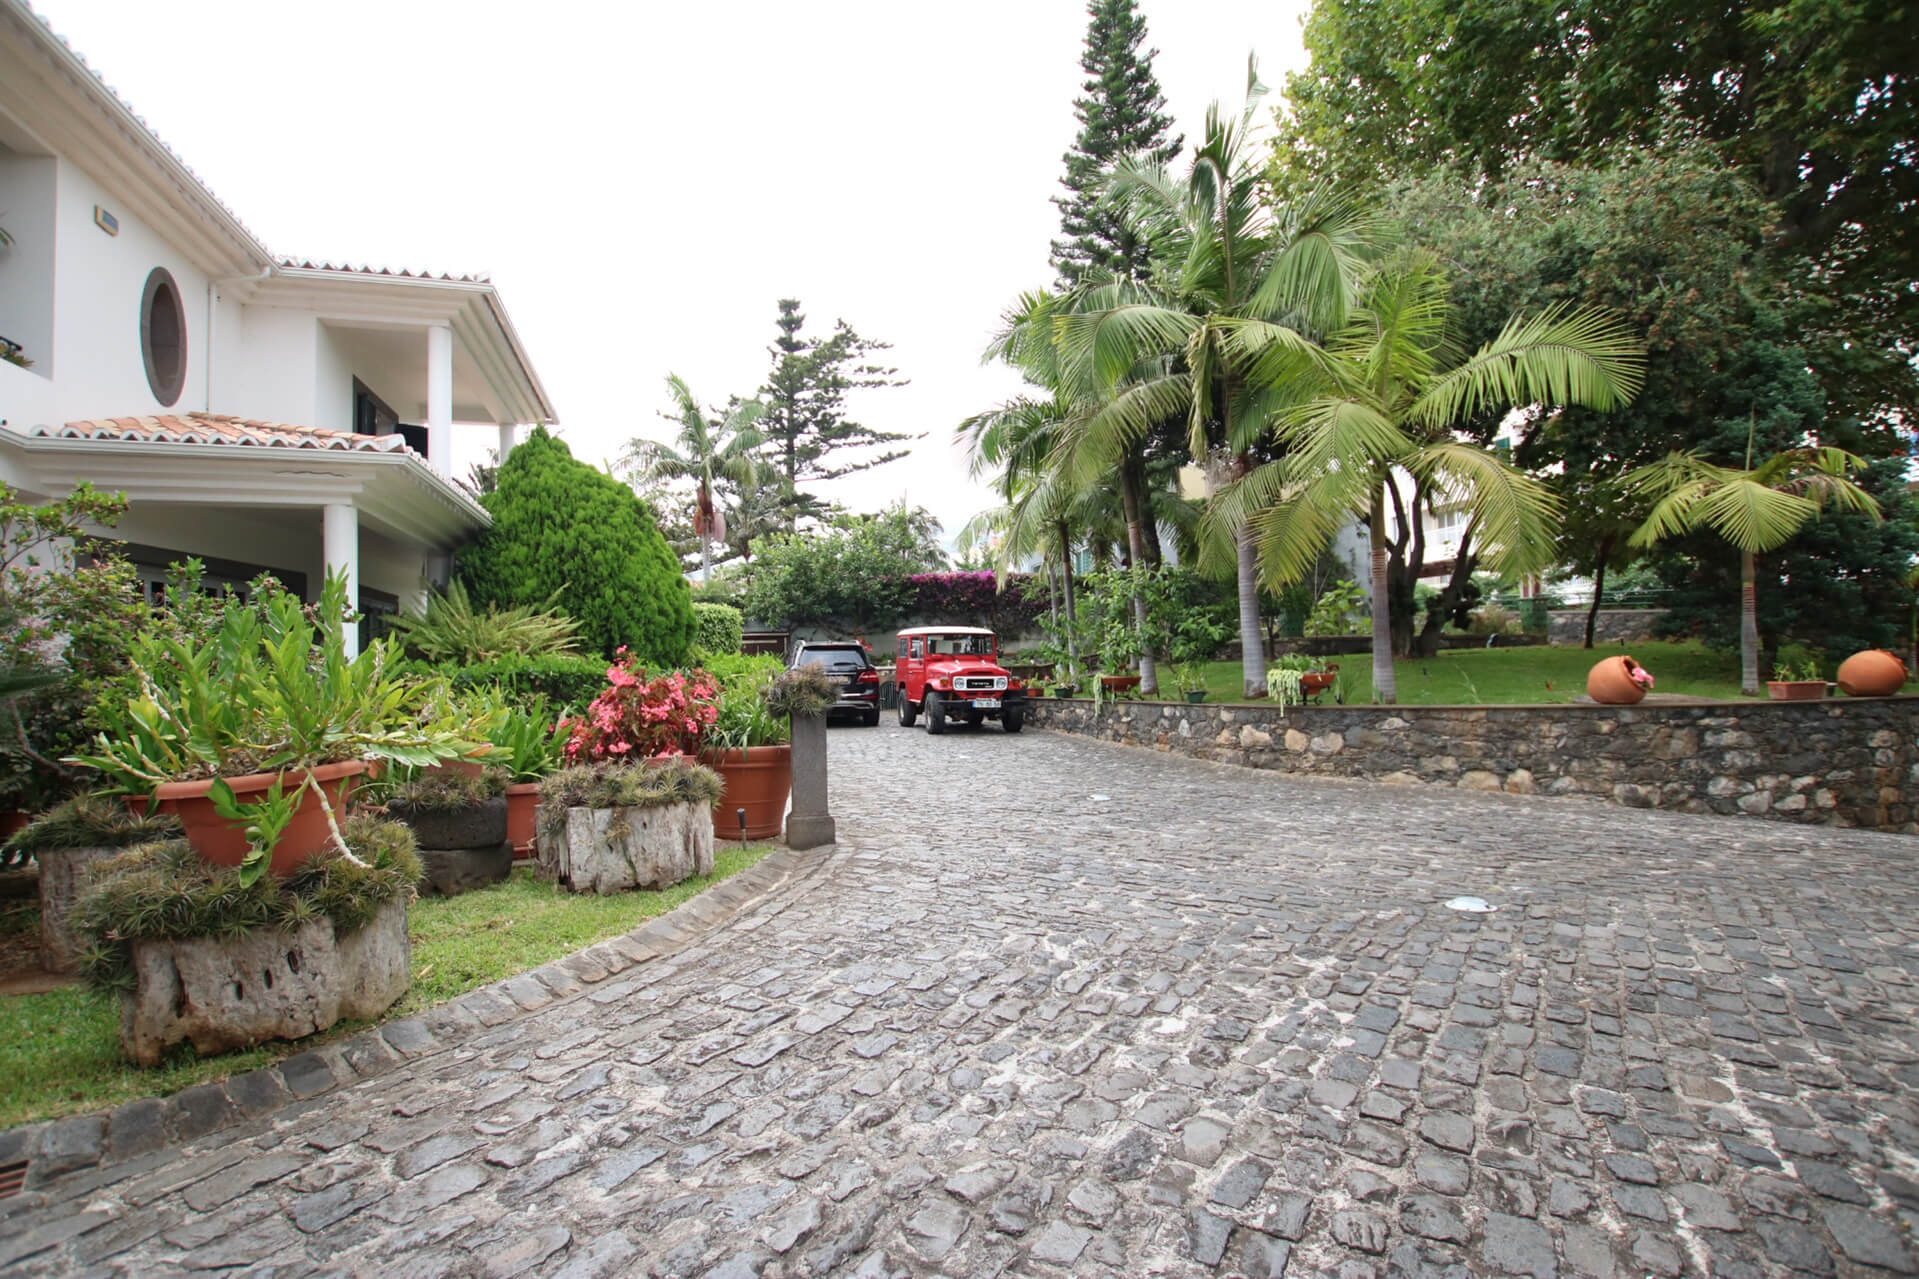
(1055, 1006)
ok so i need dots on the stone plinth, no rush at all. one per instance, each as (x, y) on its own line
(448, 872)
(809, 824)
(63, 873)
(222, 995)
(609, 850)
(480, 825)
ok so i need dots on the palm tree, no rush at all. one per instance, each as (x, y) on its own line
(711, 450)
(1241, 280)
(1757, 509)
(1387, 394)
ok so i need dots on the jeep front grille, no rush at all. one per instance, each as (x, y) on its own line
(979, 683)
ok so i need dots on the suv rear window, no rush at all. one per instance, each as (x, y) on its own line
(839, 657)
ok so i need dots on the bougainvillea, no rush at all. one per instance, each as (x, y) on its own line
(637, 717)
(976, 598)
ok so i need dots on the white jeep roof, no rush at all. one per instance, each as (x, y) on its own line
(945, 630)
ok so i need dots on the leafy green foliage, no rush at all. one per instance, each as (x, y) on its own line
(560, 682)
(809, 437)
(90, 820)
(855, 573)
(451, 630)
(648, 784)
(270, 689)
(567, 535)
(167, 891)
(1341, 609)
(1187, 617)
(715, 452)
(69, 609)
(1121, 114)
(717, 628)
(1812, 101)
(529, 737)
(743, 720)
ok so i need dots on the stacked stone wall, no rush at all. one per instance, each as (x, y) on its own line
(1844, 762)
(1611, 626)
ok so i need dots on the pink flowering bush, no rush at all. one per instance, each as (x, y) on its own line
(637, 718)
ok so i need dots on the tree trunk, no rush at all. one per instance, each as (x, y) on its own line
(1066, 579)
(1252, 640)
(1427, 642)
(706, 560)
(1748, 626)
(1599, 586)
(1385, 688)
(1132, 500)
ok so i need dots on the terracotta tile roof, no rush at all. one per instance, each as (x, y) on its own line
(218, 428)
(349, 268)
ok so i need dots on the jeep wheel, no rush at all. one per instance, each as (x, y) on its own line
(1013, 721)
(907, 714)
(935, 714)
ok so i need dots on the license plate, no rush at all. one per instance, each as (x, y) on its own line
(986, 703)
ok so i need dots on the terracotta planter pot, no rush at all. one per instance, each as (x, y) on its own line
(1796, 690)
(224, 843)
(522, 822)
(758, 779)
(1119, 683)
(455, 768)
(1872, 672)
(1610, 682)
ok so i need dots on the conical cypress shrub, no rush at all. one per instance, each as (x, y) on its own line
(561, 525)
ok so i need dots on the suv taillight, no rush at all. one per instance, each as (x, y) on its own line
(868, 676)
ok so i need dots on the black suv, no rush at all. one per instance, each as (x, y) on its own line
(849, 662)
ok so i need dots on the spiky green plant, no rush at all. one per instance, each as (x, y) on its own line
(452, 630)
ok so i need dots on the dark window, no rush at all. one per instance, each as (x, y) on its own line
(163, 336)
(371, 416)
(377, 610)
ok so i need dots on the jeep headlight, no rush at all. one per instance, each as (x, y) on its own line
(942, 682)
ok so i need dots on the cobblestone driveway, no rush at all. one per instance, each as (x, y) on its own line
(1057, 1006)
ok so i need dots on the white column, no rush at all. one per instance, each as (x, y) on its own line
(340, 533)
(509, 434)
(439, 398)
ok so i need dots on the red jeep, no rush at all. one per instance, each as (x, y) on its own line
(948, 672)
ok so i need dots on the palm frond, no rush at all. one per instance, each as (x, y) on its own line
(1561, 356)
(1516, 516)
(1100, 348)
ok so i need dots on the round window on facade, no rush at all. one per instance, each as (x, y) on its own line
(163, 336)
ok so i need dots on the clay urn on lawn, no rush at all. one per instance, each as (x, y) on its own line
(1872, 672)
(1611, 681)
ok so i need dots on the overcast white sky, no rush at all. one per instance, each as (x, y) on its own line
(645, 180)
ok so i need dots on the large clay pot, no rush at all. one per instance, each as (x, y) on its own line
(1872, 672)
(1610, 682)
(758, 779)
(522, 820)
(224, 843)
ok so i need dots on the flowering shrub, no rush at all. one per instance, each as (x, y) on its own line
(953, 598)
(636, 718)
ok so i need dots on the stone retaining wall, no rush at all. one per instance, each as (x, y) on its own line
(1845, 762)
(1612, 626)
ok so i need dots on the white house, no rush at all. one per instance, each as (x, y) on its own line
(260, 412)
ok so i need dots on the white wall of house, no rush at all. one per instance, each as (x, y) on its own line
(98, 368)
(27, 211)
(332, 383)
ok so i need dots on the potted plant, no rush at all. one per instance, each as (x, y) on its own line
(1618, 681)
(1294, 677)
(749, 747)
(1796, 681)
(256, 734)
(1191, 681)
(632, 809)
(65, 842)
(528, 743)
(195, 954)
(802, 696)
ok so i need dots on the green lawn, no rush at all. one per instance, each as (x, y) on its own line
(60, 1051)
(1470, 676)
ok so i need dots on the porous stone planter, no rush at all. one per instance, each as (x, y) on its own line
(63, 872)
(609, 850)
(220, 995)
(448, 872)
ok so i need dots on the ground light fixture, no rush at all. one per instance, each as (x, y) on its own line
(740, 814)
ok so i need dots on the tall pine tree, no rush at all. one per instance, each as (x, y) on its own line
(805, 424)
(1121, 114)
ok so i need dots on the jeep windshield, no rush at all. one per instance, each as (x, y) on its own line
(959, 646)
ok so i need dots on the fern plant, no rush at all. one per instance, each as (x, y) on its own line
(452, 630)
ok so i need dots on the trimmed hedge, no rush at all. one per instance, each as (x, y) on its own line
(563, 681)
(718, 628)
